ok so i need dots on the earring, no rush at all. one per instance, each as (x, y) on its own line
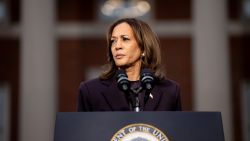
(143, 54)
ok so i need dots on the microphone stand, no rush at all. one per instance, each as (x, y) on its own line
(135, 99)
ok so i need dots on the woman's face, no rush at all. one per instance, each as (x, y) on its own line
(124, 47)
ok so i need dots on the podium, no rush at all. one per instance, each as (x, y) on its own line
(141, 126)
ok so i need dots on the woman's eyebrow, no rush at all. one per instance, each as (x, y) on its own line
(124, 36)
(114, 37)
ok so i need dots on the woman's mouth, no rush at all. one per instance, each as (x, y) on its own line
(119, 56)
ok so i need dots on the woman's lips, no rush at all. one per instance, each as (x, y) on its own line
(119, 56)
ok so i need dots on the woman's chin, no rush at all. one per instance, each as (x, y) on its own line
(120, 64)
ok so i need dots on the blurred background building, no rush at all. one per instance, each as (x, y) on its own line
(48, 47)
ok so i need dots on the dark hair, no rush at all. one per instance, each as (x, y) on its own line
(147, 41)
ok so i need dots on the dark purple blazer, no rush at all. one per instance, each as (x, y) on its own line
(104, 95)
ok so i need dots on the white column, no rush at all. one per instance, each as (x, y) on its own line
(211, 60)
(38, 70)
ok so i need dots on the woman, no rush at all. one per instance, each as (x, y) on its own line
(132, 46)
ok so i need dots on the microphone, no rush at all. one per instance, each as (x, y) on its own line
(122, 80)
(124, 85)
(147, 82)
(147, 79)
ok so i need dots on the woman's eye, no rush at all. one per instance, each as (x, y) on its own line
(112, 41)
(125, 39)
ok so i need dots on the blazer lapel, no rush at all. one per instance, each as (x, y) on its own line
(154, 99)
(115, 98)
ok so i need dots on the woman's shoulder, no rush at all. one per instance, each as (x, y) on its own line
(166, 82)
(169, 86)
(95, 82)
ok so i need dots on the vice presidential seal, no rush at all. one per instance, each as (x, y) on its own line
(139, 132)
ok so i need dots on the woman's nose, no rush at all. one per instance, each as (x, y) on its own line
(118, 44)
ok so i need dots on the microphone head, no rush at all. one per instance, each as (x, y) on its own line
(122, 80)
(147, 79)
